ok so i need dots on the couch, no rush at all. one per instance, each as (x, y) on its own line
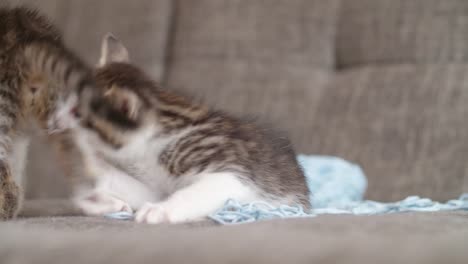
(382, 83)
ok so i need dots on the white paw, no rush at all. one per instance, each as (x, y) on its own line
(101, 204)
(152, 214)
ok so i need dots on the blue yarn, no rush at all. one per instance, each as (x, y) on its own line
(123, 215)
(235, 213)
(337, 186)
(332, 181)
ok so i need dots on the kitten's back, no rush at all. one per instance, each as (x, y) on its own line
(261, 154)
(21, 25)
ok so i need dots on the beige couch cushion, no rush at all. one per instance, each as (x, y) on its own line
(395, 31)
(295, 32)
(142, 26)
(264, 58)
(405, 124)
(416, 238)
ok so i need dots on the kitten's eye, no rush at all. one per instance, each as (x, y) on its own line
(75, 112)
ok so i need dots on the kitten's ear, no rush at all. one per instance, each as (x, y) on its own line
(112, 50)
(126, 101)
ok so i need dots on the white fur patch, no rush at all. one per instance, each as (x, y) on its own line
(198, 200)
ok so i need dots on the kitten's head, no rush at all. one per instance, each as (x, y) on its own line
(118, 110)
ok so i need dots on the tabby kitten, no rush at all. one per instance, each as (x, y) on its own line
(173, 160)
(37, 72)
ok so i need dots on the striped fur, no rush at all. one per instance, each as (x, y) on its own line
(168, 142)
(36, 72)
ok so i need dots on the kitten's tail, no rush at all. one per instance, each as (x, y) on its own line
(58, 64)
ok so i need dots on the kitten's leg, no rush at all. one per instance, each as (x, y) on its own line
(100, 203)
(9, 191)
(198, 200)
(10, 195)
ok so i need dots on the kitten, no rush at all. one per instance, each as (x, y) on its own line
(37, 74)
(173, 160)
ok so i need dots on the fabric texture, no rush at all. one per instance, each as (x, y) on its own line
(404, 124)
(255, 58)
(402, 31)
(416, 238)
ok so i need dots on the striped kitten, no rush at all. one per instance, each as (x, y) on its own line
(173, 160)
(37, 72)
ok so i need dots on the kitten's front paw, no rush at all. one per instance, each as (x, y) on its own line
(152, 214)
(101, 204)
